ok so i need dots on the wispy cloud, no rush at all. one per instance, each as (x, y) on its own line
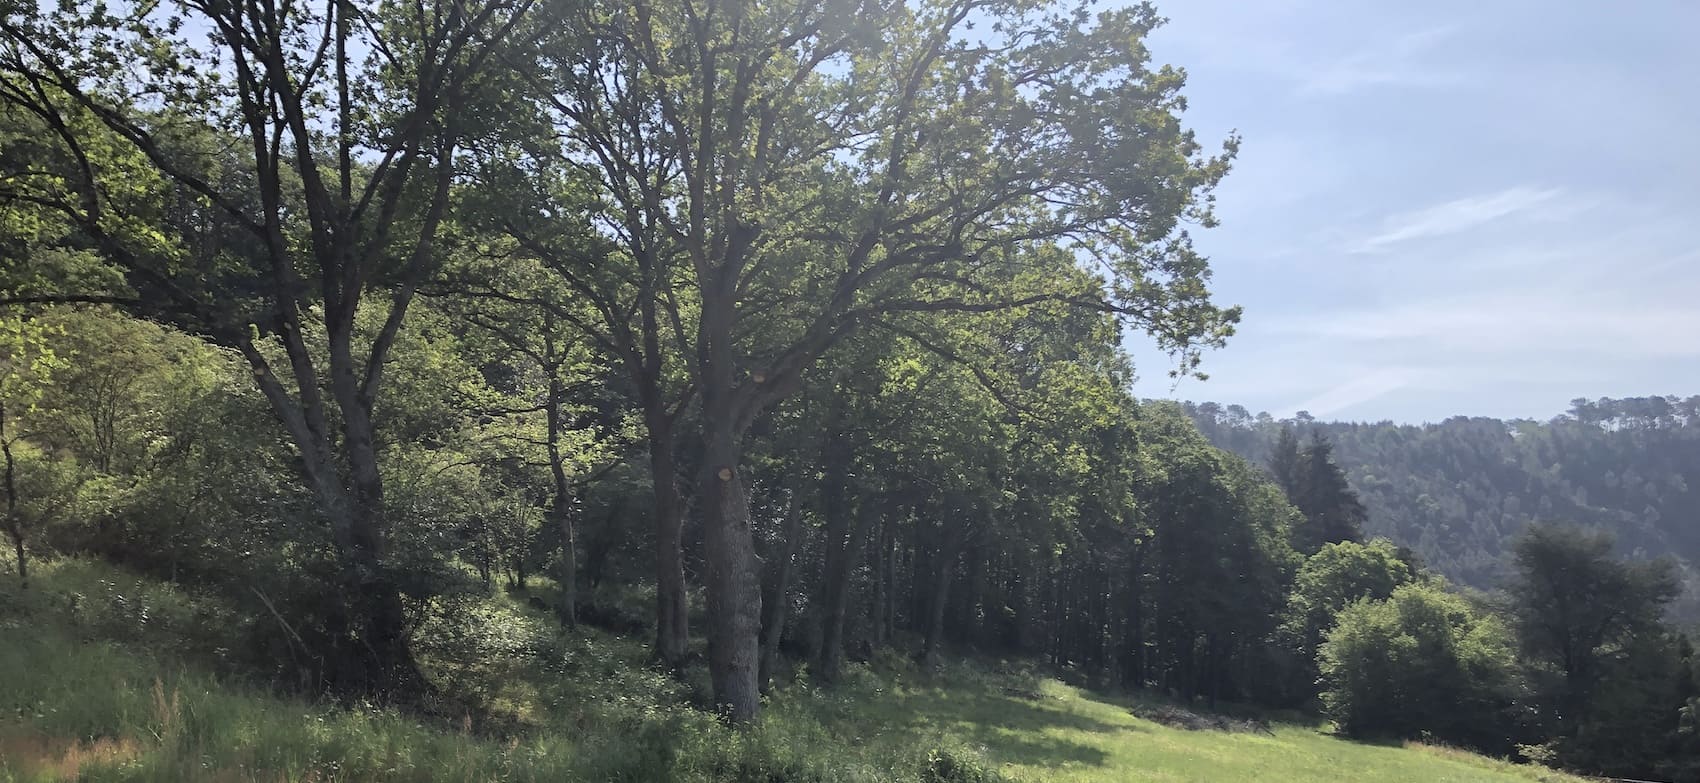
(1457, 216)
(1390, 265)
(1394, 63)
(1511, 324)
(1358, 390)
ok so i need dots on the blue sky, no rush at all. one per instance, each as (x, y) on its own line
(1441, 208)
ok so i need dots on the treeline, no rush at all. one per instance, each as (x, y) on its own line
(1459, 491)
(753, 324)
(909, 504)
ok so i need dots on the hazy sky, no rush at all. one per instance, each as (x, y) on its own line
(1442, 208)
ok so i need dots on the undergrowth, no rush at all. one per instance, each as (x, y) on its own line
(107, 677)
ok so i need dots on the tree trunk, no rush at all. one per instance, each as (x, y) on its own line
(1021, 604)
(672, 625)
(939, 594)
(732, 572)
(972, 617)
(773, 606)
(943, 567)
(14, 526)
(881, 573)
(381, 662)
(23, 564)
(843, 550)
(560, 506)
(561, 510)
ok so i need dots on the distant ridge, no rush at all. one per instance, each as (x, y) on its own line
(1456, 491)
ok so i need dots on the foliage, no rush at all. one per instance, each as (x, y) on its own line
(419, 359)
(1335, 577)
(1609, 677)
(1458, 492)
(1421, 663)
(99, 709)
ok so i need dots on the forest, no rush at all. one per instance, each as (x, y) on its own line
(784, 340)
(1458, 492)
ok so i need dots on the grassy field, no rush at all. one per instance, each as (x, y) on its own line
(1067, 734)
(119, 687)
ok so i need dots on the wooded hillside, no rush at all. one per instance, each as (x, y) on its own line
(1459, 491)
(777, 339)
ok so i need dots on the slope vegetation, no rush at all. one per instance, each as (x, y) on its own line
(109, 678)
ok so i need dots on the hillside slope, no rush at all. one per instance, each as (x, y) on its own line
(76, 704)
(1457, 491)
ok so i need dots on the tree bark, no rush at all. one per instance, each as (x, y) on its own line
(672, 625)
(731, 573)
(773, 606)
(943, 566)
(560, 506)
(970, 618)
(844, 532)
(561, 510)
(882, 574)
(14, 526)
(837, 588)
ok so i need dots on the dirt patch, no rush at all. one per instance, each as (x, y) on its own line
(37, 756)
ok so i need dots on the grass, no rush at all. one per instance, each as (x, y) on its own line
(1070, 735)
(123, 683)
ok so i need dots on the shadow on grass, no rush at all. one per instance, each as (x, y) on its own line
(1012, 729)
(1225, 718)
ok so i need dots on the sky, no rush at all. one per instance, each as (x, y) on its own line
(1444, 208)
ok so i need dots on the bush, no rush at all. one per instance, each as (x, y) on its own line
(1421, 664)
(946, 765)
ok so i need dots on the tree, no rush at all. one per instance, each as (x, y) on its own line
(1456, 492)
(1339, 575)
(810, 170)
(1286, 463)
(549, 367)
(261, 175)
(1218, 552)
(1332, 510)
(107, 404)
(1577, 607)
(1420, 662)
(612, 298)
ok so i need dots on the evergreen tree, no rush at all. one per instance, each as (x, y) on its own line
(1332, 510)
(1286, 462)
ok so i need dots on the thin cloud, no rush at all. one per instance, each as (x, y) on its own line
(1457, 216)
(1394, 63)
(1514, 324)
(1357, 391)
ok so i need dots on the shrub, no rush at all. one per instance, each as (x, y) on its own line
(1419, 664)
(947, 765)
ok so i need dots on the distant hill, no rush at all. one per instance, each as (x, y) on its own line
(1457, 491)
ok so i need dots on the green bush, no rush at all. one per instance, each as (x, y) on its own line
(946, 765)
(1421, 664)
